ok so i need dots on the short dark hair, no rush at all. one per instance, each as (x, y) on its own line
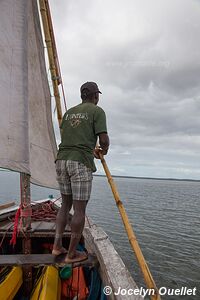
(85, 94)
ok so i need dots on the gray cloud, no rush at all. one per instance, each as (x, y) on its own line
(145, 57)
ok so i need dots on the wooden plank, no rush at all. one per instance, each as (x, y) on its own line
(6, 205)
(40, 226)
(35, 225)
(26, 259)
(43, 259)
(45, 226)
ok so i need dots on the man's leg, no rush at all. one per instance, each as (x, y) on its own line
(77, 225)
(62, 220)
(81, 184)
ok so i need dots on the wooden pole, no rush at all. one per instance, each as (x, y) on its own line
(25, 202)
(51, 56)
(26, 222)
(51, 32)
(131, 236)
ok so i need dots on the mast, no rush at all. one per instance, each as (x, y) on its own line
(52, 54)
(26, 221)
(25, 178)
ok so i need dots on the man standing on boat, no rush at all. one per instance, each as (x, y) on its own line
(80, 128)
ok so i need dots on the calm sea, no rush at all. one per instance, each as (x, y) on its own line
(166, 220)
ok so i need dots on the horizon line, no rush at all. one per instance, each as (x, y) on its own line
(151, 178)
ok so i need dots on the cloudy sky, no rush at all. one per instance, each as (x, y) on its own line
(145, 57)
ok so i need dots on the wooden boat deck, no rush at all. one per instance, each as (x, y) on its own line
(42, 228)
(39, 228)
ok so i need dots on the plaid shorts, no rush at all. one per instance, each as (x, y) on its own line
(74, 178)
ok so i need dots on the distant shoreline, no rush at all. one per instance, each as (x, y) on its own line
(151, 178)
(126, 176)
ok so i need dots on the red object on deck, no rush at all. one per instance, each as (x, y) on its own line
(75, 285)
(14, 235)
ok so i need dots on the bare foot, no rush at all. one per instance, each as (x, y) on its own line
(59, 251)
(79, 256)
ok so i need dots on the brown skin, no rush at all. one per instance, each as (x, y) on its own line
(62, 220)
(78, 219)
(104, 145)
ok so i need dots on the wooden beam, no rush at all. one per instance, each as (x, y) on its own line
(26, 259)
(43, 259)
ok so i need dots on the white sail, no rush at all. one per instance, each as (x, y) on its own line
(26, 132)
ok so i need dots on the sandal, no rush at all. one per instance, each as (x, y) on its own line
(80, 256)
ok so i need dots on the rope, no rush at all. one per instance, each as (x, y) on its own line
(26, 212)
(88, 221)
(45, 211)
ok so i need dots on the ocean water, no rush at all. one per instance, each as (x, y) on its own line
(165, 216)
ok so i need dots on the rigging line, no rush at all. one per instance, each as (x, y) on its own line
(88, 221)
(62, 86)
(9, 227)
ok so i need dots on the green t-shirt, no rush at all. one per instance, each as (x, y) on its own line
(80, 126)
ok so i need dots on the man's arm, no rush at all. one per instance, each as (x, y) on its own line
(100, 130)
(104, 142)
(104, 145)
